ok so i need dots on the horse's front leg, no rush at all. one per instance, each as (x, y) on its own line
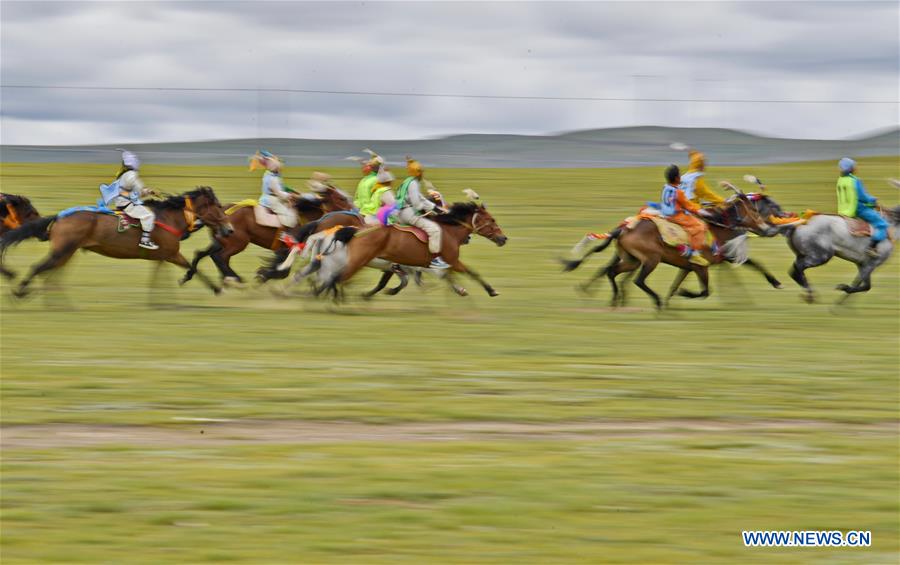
(461, 268)
(199, 256)
(382, 282)
(762, 270)
(679, 278)
(179, 259)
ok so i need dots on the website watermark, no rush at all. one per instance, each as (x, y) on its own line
(806, 538)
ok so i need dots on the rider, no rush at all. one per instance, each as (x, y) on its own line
(855, 202)
(125, 194)
(380, 196)
(674, 206)
(412, 206)
(693, 183)
(364, 188)
(274, 196)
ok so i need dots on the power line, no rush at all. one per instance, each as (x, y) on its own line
(439, 95)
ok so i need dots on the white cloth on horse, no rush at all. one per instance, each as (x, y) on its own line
(276, 199)
(136, 211)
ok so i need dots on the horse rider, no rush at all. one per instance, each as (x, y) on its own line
(693, 183)
(855, 202)
(364, 189)
(125, 193)
(274, 196)
(675, 206)
(412, 206)
(381, 199)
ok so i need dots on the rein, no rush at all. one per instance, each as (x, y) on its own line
(190, 218)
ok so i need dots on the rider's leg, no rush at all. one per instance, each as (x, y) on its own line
(147, 218)
(434, 237)
(879, 228)
(697, 232)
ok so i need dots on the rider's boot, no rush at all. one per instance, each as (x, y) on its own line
(698, 259)
(872, 249)
(438, 263)
(146, 242)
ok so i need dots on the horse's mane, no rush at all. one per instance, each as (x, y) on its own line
(177, 202)
(308, 204)
(458, 213)
(14, 199)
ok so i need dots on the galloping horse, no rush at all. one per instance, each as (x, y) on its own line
(824, 236)
(405, 248)
(176, 218)
(15, 211)
(247, 230)
(642, 246)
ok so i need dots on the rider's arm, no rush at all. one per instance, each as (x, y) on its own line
(129, 182)
(704, 192)
(416, 200)
(685, 203)
(387, 198)
(862, 196)
(276, 187)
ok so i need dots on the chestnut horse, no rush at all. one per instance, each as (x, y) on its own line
(642, 247)
(176, 218)
(404, 248)
(247, 231)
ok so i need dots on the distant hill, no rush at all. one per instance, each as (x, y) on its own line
(589, 148)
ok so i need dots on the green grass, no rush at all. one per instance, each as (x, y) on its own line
(537, 353)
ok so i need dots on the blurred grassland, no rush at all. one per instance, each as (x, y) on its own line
(538, 353)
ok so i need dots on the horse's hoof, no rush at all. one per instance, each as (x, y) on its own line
(843, 287)
(217, 290)
(462, 292)
(583, 289)
(233, 282)
(492, 293)
(392, 291)
(778, 286)
(808, 297)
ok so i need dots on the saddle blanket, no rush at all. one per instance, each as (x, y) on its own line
(242, 204)
(266, 217)
(672, 234)
(92, 208)
(418, 232)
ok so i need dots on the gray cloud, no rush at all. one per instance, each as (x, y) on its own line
(764, 50)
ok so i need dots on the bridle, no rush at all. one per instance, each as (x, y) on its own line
(11, 220)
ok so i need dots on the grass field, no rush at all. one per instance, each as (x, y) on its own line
(537, 426)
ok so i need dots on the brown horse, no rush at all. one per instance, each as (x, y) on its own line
(404, 248)
(642, 247)
(15, 211)
(247, 231)
(176, 218)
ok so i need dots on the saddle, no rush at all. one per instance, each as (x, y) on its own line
(266, 217)
(418, 232)
(858, 227)
(671, 233)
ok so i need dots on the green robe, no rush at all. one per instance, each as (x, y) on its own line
(364, 191)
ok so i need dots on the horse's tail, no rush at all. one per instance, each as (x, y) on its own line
(572, 264)
(38, 228)
(306, 230)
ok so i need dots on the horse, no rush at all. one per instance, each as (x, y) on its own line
(15, 211)
(247, 230)
(176, 218)
(279, 266)
(405, 248)
(825, 236)
(642, 246)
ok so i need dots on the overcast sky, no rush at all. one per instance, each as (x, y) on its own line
(846, 51)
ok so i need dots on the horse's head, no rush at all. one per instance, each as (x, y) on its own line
(745, 213)
(17, 210)
(206, 206)
(334, 199)
(484, 224)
